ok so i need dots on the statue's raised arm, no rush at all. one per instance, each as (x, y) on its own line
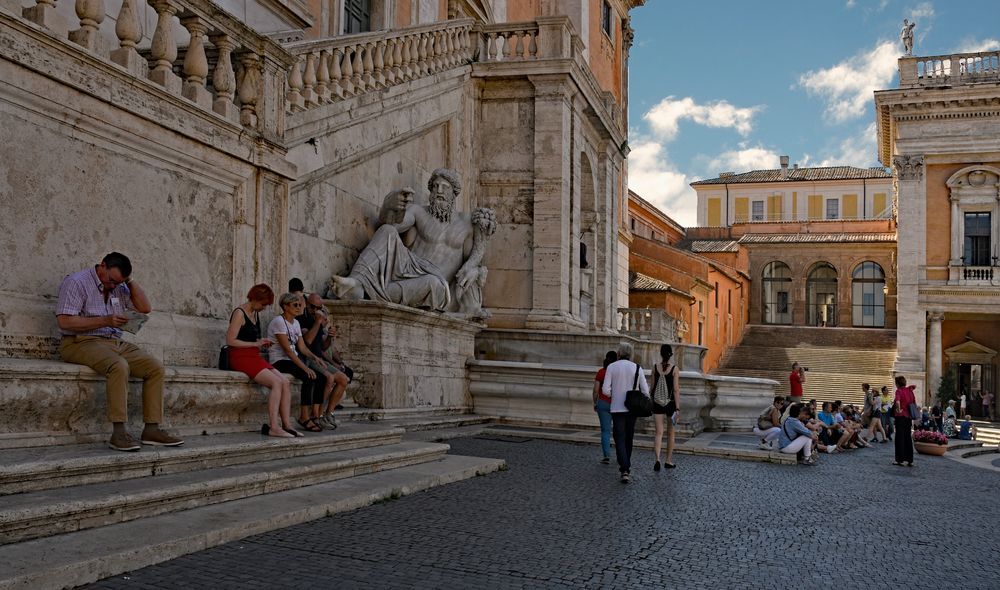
(394, 206)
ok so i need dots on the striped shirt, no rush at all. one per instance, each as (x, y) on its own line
(82, 294)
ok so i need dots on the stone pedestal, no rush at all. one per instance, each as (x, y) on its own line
(738, 401)
(404, 357)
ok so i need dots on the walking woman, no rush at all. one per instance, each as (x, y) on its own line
(287, 333)
(602, 405)
(904, 421)
(245, 344)
(666, 404)
(623, 375)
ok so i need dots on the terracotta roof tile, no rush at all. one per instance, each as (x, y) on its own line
(800, 175)
(713, 245)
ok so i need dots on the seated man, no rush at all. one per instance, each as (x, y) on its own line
(795, 437)
(314, 322)
(90, 312)
(426, 256)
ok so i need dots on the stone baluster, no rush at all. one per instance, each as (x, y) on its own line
(508, 46)
(91, 14)
(624, 324)
(380, 50)
(423, 67)
(196, 64)
(323, 78)
(44, 13)
(249, 89)
(129, 32)
(389, 69)
(519, 48)
(336, 75)
(309, 80)
(407, 72)
(491, 47)
(164, 48)
(438, 61)
(358, 68)
(224, 79)
(294, 97)
(533, 45)
(369, 64)
(449, 49)
(348, 73)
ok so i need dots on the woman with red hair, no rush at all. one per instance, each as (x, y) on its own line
(245, 344)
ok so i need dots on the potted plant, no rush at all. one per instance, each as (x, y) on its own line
(929, 442)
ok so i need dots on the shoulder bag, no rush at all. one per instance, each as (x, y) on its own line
(636, 401)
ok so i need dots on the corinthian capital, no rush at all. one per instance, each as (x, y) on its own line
(908, 167)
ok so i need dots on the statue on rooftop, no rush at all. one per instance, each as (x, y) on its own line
(906, 36)
(426, 256)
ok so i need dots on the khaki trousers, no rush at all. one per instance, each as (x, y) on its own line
(117, 359)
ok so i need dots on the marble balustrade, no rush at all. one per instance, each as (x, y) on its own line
(236, 84)
(334, 69)
(958, 68)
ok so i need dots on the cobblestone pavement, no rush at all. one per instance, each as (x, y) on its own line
(559, 519)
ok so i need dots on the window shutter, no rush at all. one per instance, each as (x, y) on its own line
(774, 208)
(815, 206)
(714, 212)
(742, 210)
(850, 204)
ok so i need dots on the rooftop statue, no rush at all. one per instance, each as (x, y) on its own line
(426, 256)
(906, 36)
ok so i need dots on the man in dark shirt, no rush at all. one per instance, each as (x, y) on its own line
(315, 322)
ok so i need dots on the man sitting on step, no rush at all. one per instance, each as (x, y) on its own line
(90, 312)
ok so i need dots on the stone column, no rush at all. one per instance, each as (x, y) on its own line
(551, 251)
(956, 235)
(911, 263)
(934, 320)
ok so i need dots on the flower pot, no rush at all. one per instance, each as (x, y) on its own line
(930, 448)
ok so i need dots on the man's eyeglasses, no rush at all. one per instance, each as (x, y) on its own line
(314, 307)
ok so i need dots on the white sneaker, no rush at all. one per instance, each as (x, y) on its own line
(764, 446)
(831, 449)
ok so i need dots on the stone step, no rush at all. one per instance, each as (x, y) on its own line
(955, 445)
(986, 450)
(804, 336)
(819, 386)
(437, 422)
(817, 359)
(32, 469)
(50, 512)
(81, 557)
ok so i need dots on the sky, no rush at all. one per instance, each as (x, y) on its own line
(731, 85)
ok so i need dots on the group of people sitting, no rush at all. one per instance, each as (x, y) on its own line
(946, 422)
(806, 432)
(300, 341)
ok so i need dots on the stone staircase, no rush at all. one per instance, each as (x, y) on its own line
(94, 513)
(838, 359)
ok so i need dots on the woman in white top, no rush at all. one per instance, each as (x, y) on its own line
(666, 387)
(287, 333)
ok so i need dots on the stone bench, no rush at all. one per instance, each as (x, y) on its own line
(48, 402)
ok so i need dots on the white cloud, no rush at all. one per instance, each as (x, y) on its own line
(848, 87)
(851, 3)
(977, 45)
(665, 116)
(745, 159)
(653, 177)
(858, 150)
(923, 11)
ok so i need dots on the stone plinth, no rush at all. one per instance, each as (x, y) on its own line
(738, 401)
(51, 402)
(404, 357)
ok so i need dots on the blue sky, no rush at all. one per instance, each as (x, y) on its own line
(731, 85)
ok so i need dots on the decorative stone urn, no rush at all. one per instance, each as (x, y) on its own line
(925, 448)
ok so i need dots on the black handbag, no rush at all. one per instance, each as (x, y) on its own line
(224, 358)
(636, 402)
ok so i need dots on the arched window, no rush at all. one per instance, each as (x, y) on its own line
(777, 286)
(821, 296)
(868, 295)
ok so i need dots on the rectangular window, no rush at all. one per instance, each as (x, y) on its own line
(758, 210)
(357, 16)
(606, 19)
(716, 295)
(832, 209)
(977, 239)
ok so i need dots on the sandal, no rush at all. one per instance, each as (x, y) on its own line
(310, 425)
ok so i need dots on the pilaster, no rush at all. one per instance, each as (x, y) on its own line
(934, 320)
(911, 262)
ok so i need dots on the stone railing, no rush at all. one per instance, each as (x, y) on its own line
(648, 324)
(950, 70)
(334, 69)
(977, 273)
(509, 42)
(245, 77)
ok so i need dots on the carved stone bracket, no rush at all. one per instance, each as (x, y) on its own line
(908, 167)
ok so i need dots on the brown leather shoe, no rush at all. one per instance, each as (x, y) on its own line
(160, 438)
(123, 442)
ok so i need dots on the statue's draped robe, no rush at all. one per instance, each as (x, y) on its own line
(387, 261)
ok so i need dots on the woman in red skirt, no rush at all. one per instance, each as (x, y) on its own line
(245, 344)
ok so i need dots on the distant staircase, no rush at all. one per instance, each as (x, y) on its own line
(839, 360)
